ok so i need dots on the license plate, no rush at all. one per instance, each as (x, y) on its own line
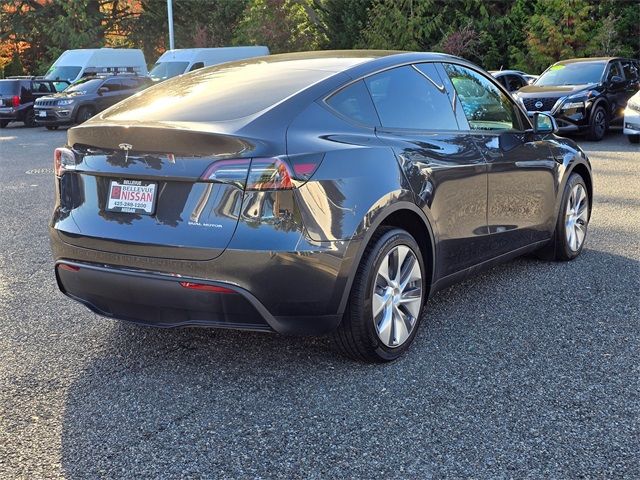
(42, 113)
(132, 196)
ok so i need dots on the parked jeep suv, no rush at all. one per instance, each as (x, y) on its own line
(85, 98)
(585, 95)
(17, 95)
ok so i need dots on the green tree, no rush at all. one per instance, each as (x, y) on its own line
(558, 29)
(342, 21)
(281, 25)
(14, 67)
(401, 25)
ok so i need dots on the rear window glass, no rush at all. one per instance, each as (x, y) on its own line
(354, 102)
(8, 87)
(218, 93)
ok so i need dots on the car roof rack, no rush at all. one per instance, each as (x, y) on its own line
(33, 77)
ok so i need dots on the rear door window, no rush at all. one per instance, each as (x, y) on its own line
(485, 105)
(630, 70)
(113, 85)
(354, 102)
(412, 97)
(130, 83)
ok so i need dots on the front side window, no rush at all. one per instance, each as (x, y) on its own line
(412, 97)
(614, 71)
(484, 104)
(354, 102)
(515, 83)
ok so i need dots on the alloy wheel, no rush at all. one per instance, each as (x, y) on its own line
(600, 123)
(397, 296)
(576, 217)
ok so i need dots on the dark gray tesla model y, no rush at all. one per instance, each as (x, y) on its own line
(310, 193)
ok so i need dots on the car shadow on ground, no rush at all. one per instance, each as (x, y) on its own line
(509, 372)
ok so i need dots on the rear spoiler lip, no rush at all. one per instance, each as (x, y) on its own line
(177, 139)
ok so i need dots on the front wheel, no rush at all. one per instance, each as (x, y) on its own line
(385, 305)
(599, 125)
(84, 114)
(571, 225)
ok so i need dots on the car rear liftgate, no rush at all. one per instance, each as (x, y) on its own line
(139, 187)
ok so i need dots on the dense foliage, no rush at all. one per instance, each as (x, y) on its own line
(524, 34)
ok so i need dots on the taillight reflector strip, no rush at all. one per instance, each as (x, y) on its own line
(206, 288)
(67, 267)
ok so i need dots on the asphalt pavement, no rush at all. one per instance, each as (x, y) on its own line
(531, 370)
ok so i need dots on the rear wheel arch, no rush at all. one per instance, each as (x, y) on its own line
(409, 217)
(582, 170)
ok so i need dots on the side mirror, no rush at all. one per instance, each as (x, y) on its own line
(616, 80)
(102, 90)
(544, 123)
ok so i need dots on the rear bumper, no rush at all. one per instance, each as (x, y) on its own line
(11, 114)
(160, 300)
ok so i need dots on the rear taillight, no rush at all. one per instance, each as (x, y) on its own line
(269, 174)
(15, 101)
(203, 287)
(264, 173)
(62, 159)
(67, 267)
(228, 171)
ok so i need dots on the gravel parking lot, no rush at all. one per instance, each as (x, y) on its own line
(530, 370)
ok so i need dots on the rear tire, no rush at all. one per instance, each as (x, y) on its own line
(571, 226)
(598, 125)
(30, 119)
(84, 114)
(52, 127)
(397, 293)
(4, 123)
(634, 138)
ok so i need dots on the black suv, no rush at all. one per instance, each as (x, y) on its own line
(17, 95)
(585, 95)
(85, 98)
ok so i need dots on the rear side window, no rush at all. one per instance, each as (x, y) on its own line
(42, 87)
(9, 87)
(114, 85)
(354, 102)
(630, 70)
(130, 83)
(484, 104)
(406, 97)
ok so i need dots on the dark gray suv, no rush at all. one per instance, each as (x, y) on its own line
(85, 98)
(310, 193)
